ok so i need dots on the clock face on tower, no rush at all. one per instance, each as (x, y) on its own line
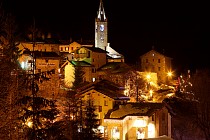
(101, 27)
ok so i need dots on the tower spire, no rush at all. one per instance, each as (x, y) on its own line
(101, 13)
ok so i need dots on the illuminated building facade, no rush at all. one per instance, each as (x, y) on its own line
(154, 61)
(121, 119)
(133, 121)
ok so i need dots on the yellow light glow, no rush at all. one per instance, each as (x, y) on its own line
(148, 76)
(151, 130)
(101, 129)
(140, 123)
(151, 93)
(115, 133)
(170, 94)
(29, 124)
(169, 74)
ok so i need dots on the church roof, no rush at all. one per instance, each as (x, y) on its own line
(101, 13)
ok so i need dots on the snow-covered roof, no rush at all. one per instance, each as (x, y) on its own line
(134, 109)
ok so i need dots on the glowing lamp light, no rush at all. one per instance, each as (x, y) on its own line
(29, 124)
(169, 74)
(140, 123)
(148, 76)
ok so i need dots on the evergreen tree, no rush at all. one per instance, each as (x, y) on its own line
(78, 77)
(11, 76)
(73, 116)
(37, 114)
(74, 107)
(72, 122)
(90, 129)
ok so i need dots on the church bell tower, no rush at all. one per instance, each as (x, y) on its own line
(101, 28)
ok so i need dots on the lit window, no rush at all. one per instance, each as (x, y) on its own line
(94, 79)
(153, 117)
(115, 133)
(151, 130)
(140, 123)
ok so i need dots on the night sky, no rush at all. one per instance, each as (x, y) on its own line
(179, 30)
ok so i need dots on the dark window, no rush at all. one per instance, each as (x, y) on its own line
(158, 60)
(88, 56)
(93, 70)
(53, 71)
(153, 68)
(105, 103)
(153, 117)
(100, 109)
(30, 61)
(146, 60)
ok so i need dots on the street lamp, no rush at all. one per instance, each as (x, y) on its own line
(169, 74)
(148, 77)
